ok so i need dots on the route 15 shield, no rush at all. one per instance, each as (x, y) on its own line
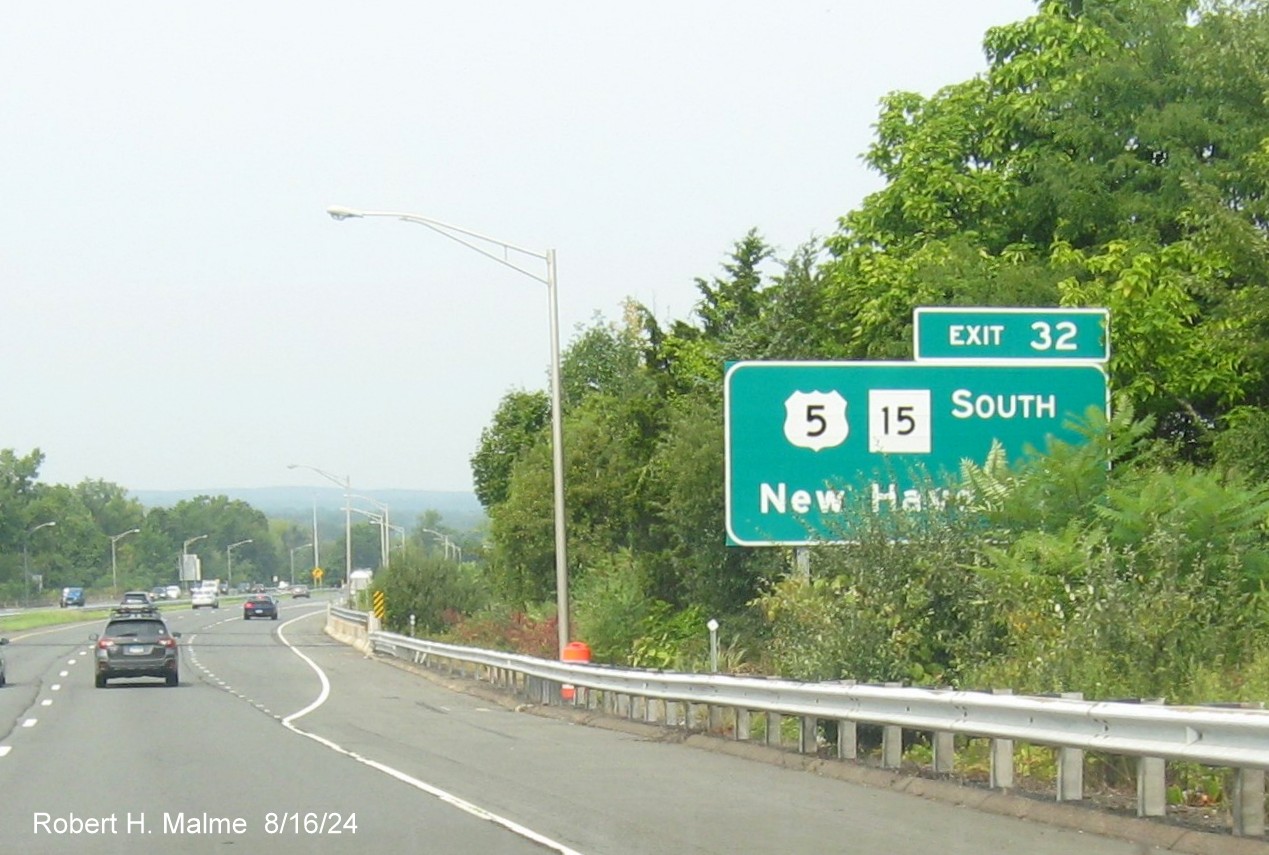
(815, 420)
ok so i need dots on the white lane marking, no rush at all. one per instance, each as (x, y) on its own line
(30, 722)
(70, 661)
(5, 749)
(56, 687)
(437, 792)
(63, 673)
(47, 702)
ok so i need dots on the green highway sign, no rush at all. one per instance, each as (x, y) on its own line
(811, 445)
(978, 334)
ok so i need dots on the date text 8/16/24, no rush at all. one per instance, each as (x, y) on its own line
(310, 823)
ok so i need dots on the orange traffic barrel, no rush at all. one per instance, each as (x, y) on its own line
(574, 651)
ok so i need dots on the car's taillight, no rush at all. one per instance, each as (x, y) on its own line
(105, 644)
(167, 642)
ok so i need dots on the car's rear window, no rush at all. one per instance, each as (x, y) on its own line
(141, 630)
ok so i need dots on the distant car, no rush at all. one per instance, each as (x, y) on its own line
(172, 592)
(3, 673)
(260, 605)
(298, 591)
(72, 597)
(158, 593)
(205, 596)
(136, 601)
(136, 644)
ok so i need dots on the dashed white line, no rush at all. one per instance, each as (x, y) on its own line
(56, 687)
(30, 722)
(47, 702)
(63, 673)
(5, 749)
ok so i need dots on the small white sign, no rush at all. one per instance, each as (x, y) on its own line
(899, 421)
(815, 420)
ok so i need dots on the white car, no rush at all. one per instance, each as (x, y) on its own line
(205, 597)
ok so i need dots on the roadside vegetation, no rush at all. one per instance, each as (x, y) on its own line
(1112, 154)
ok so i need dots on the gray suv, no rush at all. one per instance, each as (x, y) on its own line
(137, 644)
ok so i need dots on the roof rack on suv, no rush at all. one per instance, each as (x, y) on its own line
(134, 610)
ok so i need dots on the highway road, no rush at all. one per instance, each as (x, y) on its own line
(281, 740)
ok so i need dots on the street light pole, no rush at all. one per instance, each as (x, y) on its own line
(401, 531)
(295, 549)
(557, 418)
(384, 546)
(316, 561)
(443, 538)
(185, 551)
(347, 485)
(26, 554)
(381, 521)
(114, 569)
(229, 560)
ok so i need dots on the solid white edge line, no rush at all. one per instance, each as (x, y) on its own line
(436, 792)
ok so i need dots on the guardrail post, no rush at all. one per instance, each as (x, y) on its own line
(773, 729)
(847, 739)
(944, 752)
(1249, 802)
(1152, 792)
(808, 734)
(715, 719)
(742, 724)
(1001, 757)
(1070, 766)
(891, 746)
(892, 741)
(655, 705)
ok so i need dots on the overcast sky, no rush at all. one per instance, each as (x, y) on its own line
(180, 312)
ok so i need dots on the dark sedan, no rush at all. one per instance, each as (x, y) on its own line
(259, 605)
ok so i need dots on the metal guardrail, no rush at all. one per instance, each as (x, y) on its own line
(361, 619)
(1233, 738)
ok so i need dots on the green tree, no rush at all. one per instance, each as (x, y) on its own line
(517, 426)
(1100, 160)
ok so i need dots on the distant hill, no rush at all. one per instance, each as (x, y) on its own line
(458, 510)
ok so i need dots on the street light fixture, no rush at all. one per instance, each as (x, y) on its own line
(114, 569)
(26, 554)
(229, 560)
(557, 424)
(295, 549)
(347, 485)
